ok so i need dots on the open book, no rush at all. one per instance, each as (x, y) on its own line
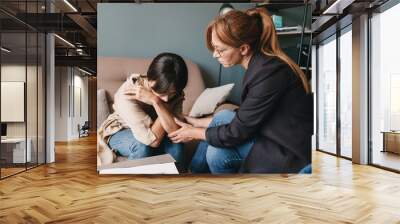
(162, 164)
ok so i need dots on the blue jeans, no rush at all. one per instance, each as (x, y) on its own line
(210, 159)
(125, 144)
(306, 170)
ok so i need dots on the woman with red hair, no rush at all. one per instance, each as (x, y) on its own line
(271, 130)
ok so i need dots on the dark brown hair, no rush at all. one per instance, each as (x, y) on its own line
(168, 70)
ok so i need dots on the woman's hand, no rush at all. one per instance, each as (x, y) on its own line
(141, 94)
(199, 122)
(186, 133)
(193, 121)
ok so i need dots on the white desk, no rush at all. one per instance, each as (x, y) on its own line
(17, 146)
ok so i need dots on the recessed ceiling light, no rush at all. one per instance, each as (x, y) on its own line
(64, 40)
(70, 5)
(5, 49)
(337, 7)
(86, 72)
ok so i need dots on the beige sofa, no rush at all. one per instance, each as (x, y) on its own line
(113, 71)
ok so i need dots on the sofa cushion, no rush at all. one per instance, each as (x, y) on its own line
(103, 109)
(209, 100)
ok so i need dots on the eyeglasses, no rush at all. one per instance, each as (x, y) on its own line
(220, 53)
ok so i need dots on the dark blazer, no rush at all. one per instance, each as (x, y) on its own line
(276, 112)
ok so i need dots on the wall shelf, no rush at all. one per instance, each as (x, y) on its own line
(275, 5)
(294, 32)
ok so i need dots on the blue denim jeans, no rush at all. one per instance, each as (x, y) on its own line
(306, 170)
(125, 144)
(210, 159)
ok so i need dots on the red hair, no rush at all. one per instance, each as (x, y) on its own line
(255, 28)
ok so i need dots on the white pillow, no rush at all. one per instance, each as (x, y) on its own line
(209, 100)
(102, 107)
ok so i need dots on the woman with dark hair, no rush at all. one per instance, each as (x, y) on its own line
(271, 130)
(145, 107)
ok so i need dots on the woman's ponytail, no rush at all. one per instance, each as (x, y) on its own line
(256, 28)
(269, 44)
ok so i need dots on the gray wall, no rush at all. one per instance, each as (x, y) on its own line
(145, 30)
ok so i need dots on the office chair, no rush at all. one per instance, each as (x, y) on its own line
(84, 130)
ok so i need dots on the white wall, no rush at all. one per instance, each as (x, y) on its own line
(17, 73)
(33, 126)
(68, 116)
(79, 117)
(61, 103)
(14, 73)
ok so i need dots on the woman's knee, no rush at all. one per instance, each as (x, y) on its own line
(222, 117)
(139, 150)
(225, 114)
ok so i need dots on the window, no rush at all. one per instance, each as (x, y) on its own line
(334, 106)
(22, 65)
(385, 89)
(327, 95)
(346, 75)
